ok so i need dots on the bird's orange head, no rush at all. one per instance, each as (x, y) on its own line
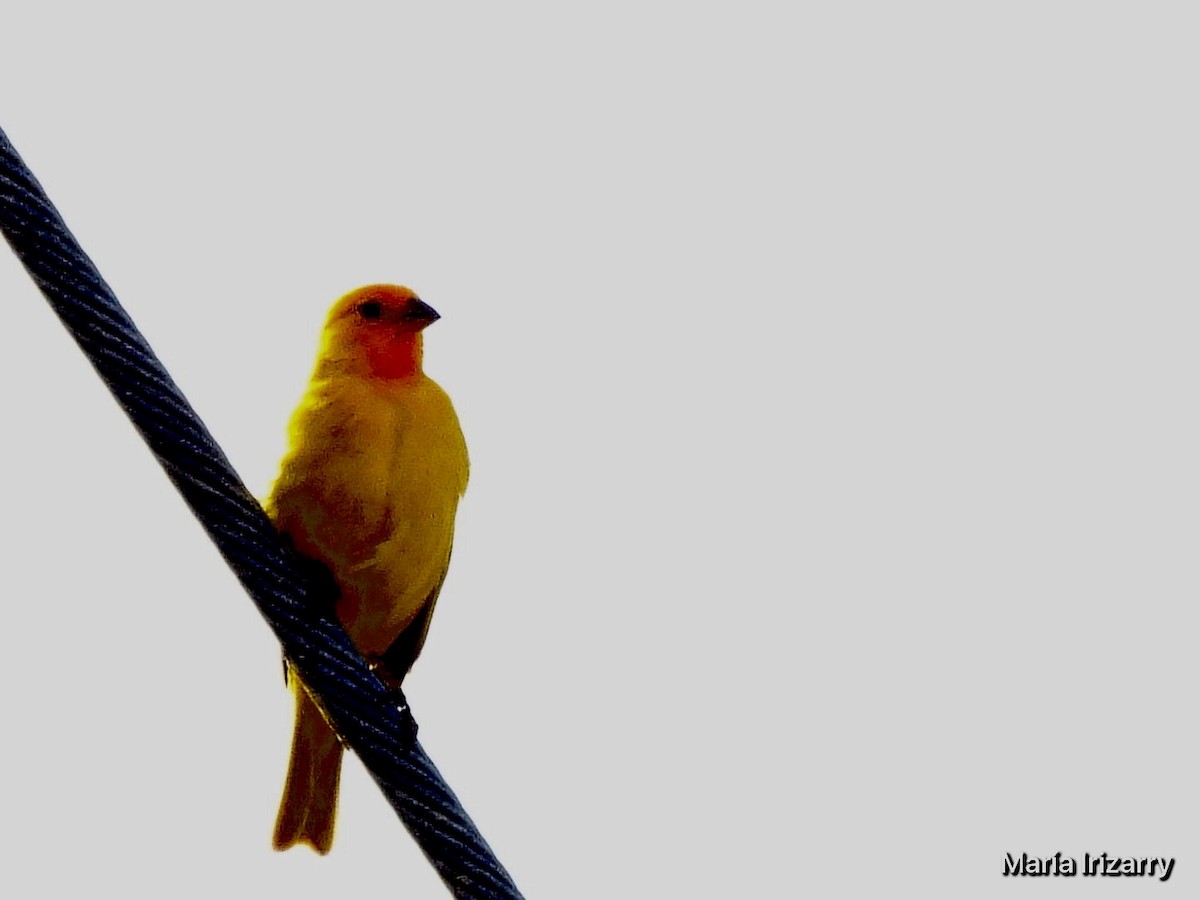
(376, 331)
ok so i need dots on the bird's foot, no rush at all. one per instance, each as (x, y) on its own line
(408, 724)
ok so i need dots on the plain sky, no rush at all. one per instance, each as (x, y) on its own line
(830, 377)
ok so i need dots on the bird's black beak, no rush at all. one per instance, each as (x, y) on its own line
(420, 311)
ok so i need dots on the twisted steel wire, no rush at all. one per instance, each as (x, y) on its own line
(356, 702)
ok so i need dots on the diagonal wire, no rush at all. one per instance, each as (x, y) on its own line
(352, 697)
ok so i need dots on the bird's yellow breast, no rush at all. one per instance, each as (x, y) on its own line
(370, 486)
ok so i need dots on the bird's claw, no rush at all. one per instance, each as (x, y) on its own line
(395, 697)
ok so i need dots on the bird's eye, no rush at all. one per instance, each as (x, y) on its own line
(370, 310)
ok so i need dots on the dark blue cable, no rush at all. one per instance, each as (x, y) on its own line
(352, 697)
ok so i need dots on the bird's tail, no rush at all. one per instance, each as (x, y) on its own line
(309, 805)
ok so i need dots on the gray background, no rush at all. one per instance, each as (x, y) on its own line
(830, 377)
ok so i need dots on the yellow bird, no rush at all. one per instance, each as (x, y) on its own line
(369, 487)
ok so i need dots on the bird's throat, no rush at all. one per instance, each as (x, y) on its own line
(396, 358)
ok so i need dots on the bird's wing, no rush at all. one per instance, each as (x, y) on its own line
(325, 589)
(393, 664)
